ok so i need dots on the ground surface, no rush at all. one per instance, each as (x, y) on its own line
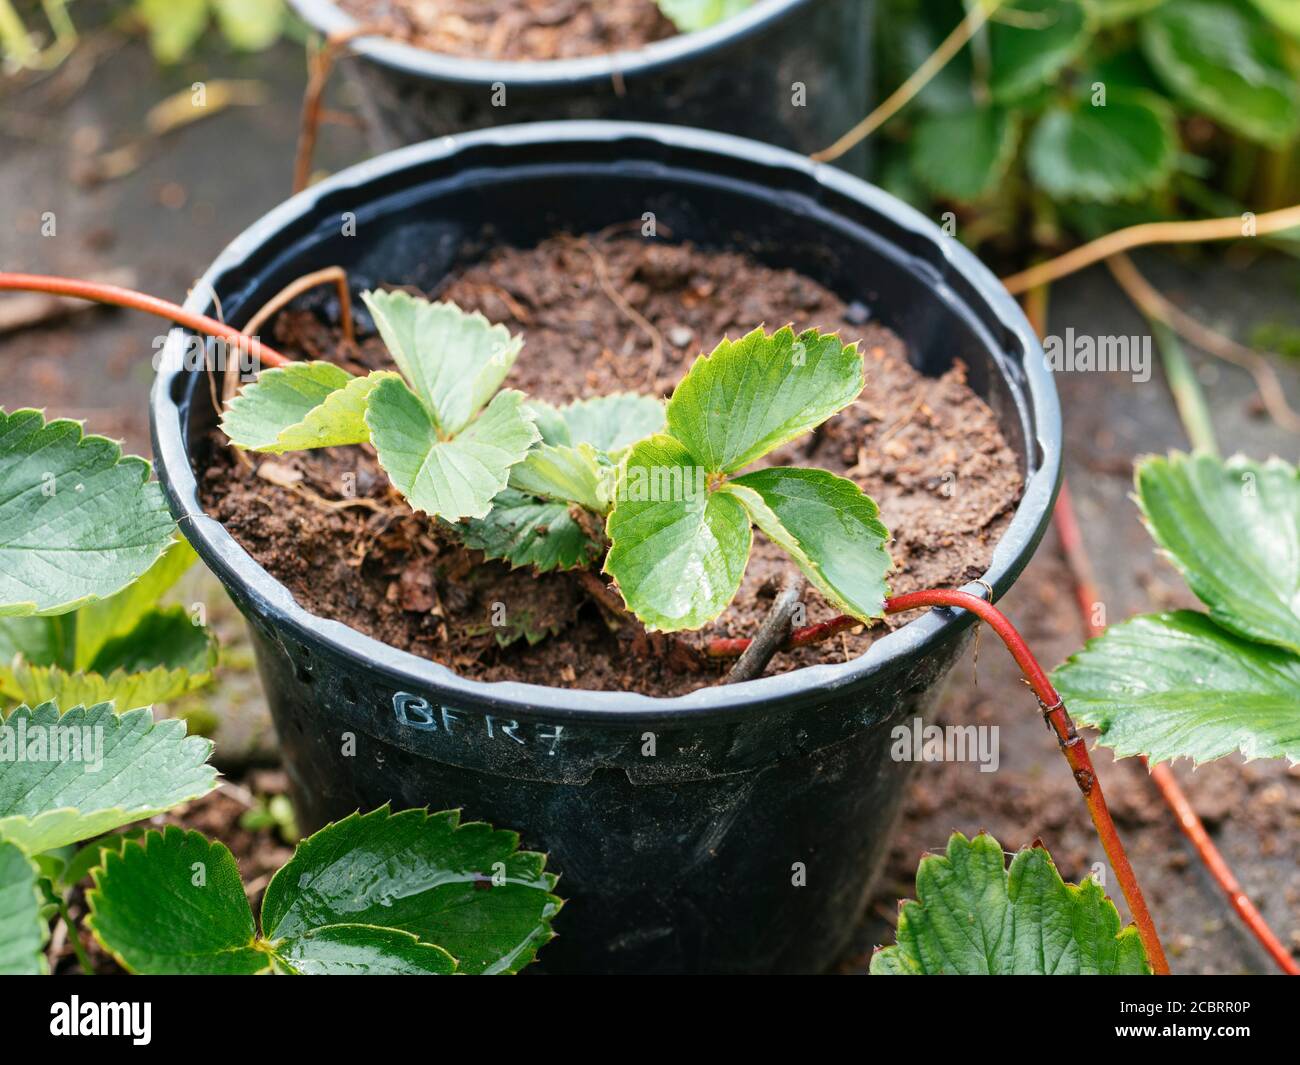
(199, 186)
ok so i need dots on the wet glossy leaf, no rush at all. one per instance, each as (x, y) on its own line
(1104, 154)
(78, 521)
(173, 903)
(1030, 43)
(300, 406)
(453, 361)
(963, 155)
(22, 928)
(1178, 685)
(973, 916)
(1233, 530)
(426, 874)
(828, 526)
(1225, 60)
(362, 950)
(678, 551)
(448, 478)
(691, 15)
(65, 778)
(752, 395)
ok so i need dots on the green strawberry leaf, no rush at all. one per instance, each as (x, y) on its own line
(173, 904)
(678, 550)
(1233, 530)
(453, 361)
(975, 917)
(611, 423)
(99, 622)
(68, 777)
(466, 887)
(175, 26)
(525, 531)
(78, 521)
(1225, 60)
(1109, 12)
(1031, 42)
(565, 474)
(250, 25)
(691, 15)
(1179, 686)
(1104, 154)
(22, 927)
(1284, 14)
(963, 155)
(752, 395)
(300, 406)
(362, 950)
(448, 478)
(829, 527)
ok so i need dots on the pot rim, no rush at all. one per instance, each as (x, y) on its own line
(327, 17)
(407, 671)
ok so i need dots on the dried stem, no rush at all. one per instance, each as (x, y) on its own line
(918, 80)
(125, 297)
(322, 64)
(1072, 745)
(1127, 239)
(771, 634)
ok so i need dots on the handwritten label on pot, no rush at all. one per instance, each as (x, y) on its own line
(418, 713)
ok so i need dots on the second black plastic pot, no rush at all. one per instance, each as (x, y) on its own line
(795, 73)
(737, 828)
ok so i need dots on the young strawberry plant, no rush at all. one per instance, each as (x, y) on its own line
(1187, 684)
(447, 897)
(974, 917)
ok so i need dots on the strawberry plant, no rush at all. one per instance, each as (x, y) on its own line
(1187, 684)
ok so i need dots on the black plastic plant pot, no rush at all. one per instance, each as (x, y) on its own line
(796, 73)
(748, 840)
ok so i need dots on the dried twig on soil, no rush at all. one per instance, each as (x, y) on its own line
(771, 634)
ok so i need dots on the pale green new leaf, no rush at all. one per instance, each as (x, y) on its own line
(691, 15)
(1224, 59)
(828, 526)
(1177, 685)
(973, 917)
(1233, 530)
(678, 551)
(1104, 154)
(752, 395)
(175, 26)
(300, 406)
(1031, 42)
(1284, 14)
(612, 423)
(250, 25)
(78, 521)
(436, 882)
(453, 361)
(566, 474)
(22, 928)
(88, 771)
(526, 531)
(448, 478)
(962, 155)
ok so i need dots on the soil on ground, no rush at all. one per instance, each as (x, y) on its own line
(518, 29)
(327, 524)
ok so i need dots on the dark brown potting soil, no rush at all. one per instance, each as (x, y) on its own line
(927, 449)
(517, 29)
